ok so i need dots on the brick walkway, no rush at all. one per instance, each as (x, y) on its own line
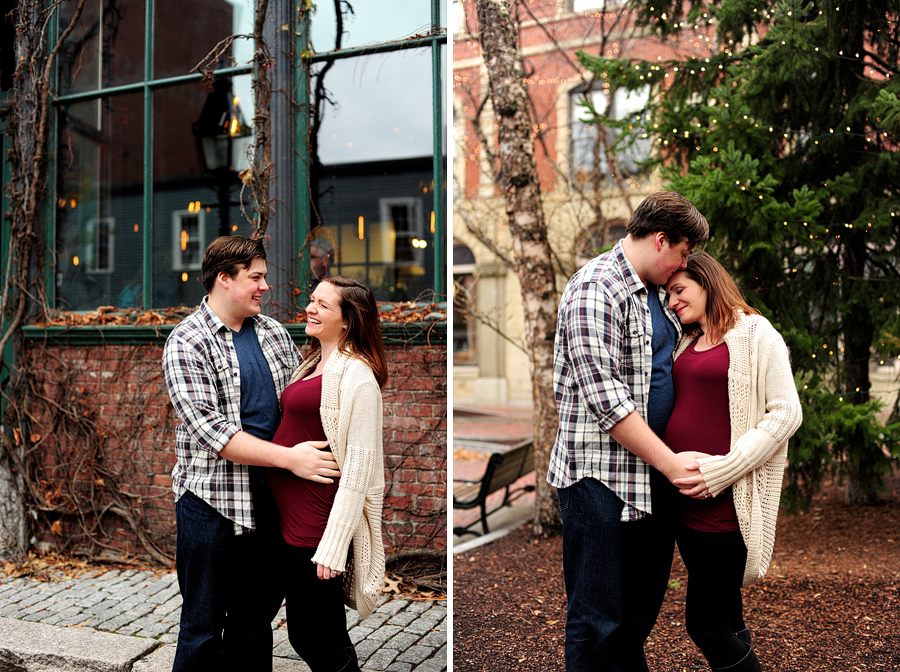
(400, 636)
(500, 424)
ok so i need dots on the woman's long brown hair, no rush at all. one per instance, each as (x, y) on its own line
(362, 337)
(723, 297)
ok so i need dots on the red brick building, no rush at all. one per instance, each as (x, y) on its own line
(489, 368)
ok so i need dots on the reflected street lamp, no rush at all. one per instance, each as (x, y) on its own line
(222, 138)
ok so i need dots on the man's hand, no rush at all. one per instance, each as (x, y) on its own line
(682, 468)
(692, 485)
(306, 460)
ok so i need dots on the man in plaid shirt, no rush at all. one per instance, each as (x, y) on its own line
(614, 394)
(225, 367)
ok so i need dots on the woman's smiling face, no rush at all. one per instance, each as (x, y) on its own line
(324, 318)
(687, 298)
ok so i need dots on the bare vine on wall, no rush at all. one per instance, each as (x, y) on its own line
(54, 447)
(28, 117)
(76, 485)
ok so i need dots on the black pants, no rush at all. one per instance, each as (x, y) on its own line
(714, 608)
(316, 620)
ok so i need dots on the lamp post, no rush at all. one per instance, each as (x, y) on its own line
(222, 137)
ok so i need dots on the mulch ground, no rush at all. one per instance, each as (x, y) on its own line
(830, 602)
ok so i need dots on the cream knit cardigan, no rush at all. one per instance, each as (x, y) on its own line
(351, 414)
(765, 412)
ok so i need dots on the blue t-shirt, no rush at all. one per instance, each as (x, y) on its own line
(662, 388)
(260, 413)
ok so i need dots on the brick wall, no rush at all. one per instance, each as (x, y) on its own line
(115, 445)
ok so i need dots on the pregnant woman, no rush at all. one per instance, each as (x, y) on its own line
(735, 399)
(334, 395)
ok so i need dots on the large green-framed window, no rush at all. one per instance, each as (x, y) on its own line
(371, 188)
(134, 207)
(136, 200)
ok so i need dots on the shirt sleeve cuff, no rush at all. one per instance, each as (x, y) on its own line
(616, 414)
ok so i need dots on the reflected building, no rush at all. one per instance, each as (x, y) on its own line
(148, 153)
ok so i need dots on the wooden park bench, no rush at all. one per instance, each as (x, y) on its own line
(504, 468)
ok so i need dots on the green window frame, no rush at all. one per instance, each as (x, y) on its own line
(302, 73)
(436, 40)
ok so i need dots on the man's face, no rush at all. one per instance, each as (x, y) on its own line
(318, 262)
(669, 259)
(245, 289)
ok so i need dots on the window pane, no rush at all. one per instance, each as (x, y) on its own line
(373, 182)
(105, 49)
(185, 32)
(368, 22)
(377, 216)
(195, 202)
(383, 108)
(99, 208)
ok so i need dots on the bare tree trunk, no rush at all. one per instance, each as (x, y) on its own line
(515, 172)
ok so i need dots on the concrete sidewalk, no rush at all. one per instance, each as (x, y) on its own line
(127, 620)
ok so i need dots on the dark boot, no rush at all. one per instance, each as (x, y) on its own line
(744, 636)
(749, 663)
(321, 659)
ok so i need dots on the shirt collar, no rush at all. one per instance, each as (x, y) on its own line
(213, 321)
(629, 275)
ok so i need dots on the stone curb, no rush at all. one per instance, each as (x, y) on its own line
(37, 647)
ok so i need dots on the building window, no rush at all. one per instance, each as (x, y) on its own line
(188, 239)
(128, 149)
(102, 245)
(598, 238)
(141, 141)
(464, 323)
(586, 146)
(585, 5)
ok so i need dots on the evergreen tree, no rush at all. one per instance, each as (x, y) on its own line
(785, 135)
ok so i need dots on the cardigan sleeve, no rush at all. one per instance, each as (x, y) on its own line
(782, 418)
(358, 471)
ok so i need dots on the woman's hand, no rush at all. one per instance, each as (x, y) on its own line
(326, 573)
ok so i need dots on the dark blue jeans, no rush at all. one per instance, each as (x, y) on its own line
(616, 576)
(231, 590)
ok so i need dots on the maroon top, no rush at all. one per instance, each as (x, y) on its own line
(700, 421)
(304, 505)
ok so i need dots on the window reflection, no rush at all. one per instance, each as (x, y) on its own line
(106, 48)
(378, 218)
(372, 176)
(368, 22)
(200, 25)
(100, 204)
(194, 201)
(383, 108)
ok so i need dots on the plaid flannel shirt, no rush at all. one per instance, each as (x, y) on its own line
(602, 362)
(203, 376)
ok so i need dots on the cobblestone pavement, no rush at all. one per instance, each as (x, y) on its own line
(401, 635)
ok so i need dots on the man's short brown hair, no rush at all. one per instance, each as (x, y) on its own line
(672, 214)
(229, 254)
